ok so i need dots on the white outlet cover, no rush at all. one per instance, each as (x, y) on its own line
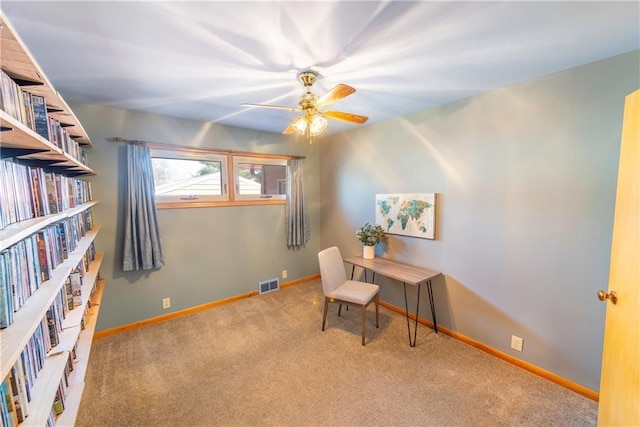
(516, 343)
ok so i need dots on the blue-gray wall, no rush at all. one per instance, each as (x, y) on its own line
(210, 253)
(526, 177)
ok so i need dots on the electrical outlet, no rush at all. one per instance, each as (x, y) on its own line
(166, 302)
(516, 343)
(284, 274)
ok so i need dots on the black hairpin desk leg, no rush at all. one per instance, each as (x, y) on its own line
(412, 343)
(406, 310)
(433, 307)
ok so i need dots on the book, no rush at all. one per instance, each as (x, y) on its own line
(4, 408)
(58, 407)
(40, 116)
(33, 263)
(43, 257)
(16, 380)
(52, 192)
(6, 299)
(39, 208)
(28, 369)
(28, 109)
(51, 326)
(23, 397)
(60, 189)
(68, 293)
(10, 417)
(61, 232)
(9, 102)
(2, 92)
(76, 287)
(57, 251)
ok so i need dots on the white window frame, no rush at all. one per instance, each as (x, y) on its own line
(260, 161)
(197, 155)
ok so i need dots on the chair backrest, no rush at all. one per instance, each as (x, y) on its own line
(331, 269)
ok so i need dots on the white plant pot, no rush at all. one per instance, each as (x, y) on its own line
(368, 252)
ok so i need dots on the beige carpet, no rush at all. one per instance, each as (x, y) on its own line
(265, 361)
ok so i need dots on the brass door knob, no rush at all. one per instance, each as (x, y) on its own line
(612, 296)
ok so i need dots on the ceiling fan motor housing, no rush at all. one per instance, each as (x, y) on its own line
(308, 78)
(308, 101)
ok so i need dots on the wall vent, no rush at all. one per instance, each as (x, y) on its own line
(269, 286)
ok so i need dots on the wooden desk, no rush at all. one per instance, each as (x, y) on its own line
(405, 273)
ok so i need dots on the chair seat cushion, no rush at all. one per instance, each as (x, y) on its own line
(355, 292)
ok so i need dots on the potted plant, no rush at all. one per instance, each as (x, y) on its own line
(370, 236)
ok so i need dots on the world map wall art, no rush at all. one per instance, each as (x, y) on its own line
(407, 214)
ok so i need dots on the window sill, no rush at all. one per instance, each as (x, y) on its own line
(189, 205)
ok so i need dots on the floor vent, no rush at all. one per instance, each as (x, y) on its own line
(269, 286)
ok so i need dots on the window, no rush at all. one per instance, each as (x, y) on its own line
(260, 178)
(190, 177)
(183, 176)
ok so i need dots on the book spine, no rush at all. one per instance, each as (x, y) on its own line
(40, 117)
(6, 299)
(9, 414)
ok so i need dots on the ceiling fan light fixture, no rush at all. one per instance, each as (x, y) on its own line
(300, 125)
(310, 124)
(317, 124)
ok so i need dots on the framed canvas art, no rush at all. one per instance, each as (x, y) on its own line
(407, 214)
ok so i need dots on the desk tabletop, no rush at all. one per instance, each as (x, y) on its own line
(397, 270)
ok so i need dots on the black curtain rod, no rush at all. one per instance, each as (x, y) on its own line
(159, 145)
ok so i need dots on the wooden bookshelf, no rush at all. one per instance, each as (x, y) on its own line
(23, 145)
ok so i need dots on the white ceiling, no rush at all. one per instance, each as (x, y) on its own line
(201, 60)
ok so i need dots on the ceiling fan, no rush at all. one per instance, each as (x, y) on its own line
(313, 120)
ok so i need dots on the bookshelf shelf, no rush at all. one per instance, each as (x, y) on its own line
(56, 321)
(18, 140)
(20, 230)
(22, 137)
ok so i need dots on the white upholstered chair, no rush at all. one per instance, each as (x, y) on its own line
(337, 289)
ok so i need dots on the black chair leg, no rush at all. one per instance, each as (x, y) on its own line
(364, 321)
(324, 316)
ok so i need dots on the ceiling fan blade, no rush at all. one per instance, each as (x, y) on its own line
(277, 107)
(290, 129)
(347, 117)
(335, 94)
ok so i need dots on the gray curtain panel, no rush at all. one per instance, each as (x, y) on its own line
(142, 248)
(298, 230)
